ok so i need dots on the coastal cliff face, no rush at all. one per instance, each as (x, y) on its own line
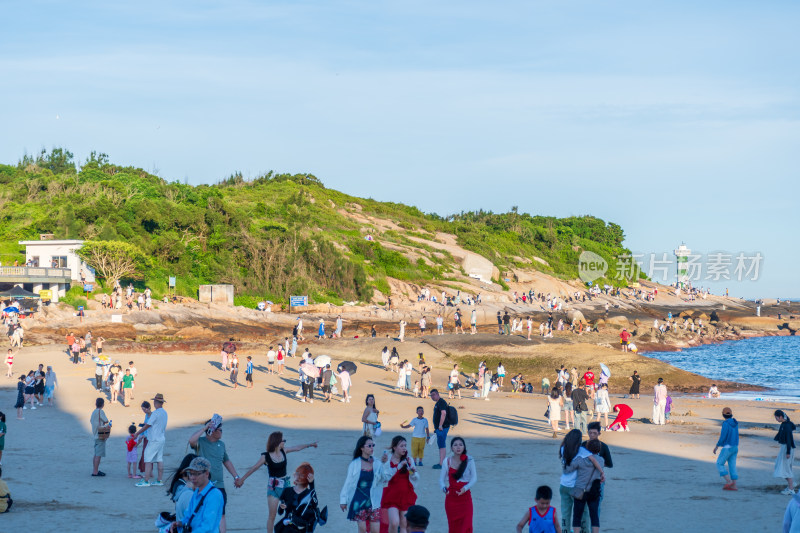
(191, 327)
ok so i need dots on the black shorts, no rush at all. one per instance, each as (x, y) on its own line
(99, 350)
(224, 500)
(39, 388)
(326, 389)
(458, 323)
(249, 377)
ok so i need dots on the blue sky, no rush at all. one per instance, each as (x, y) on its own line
(678, 120)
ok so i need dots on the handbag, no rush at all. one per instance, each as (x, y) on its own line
(378, 429)
(547, 413)
(103, 432)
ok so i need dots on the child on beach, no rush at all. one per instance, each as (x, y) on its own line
(248, 373)
(668, 409)
(9, 363)
(542, 517)
(419, 436)
(416, 389)
(131, 456)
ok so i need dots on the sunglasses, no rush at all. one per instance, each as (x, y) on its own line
(369, 446)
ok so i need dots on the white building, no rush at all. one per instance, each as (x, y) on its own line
(50, 265)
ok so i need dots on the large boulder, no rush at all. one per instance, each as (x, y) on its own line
(573, 315)
(619, 320)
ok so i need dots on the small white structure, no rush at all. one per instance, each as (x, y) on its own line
(58, 254)
(682, 254)
(50, 265)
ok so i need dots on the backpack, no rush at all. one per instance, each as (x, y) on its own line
(452, 415)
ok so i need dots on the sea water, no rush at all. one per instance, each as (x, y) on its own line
(772, 362)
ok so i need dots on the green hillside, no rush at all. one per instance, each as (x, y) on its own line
(275, 235)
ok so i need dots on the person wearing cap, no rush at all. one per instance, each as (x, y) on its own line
(729, 442)
(211, 447)
(156, 427)
(417, 519)
(205, 508)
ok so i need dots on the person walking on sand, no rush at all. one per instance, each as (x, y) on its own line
(399, 475)
(101, 427)
(207, 443)
(370, 417)
(403, 324)
(455, 383)
(275, 460)
(602, 404)
(321, 330)
(659, 403)
(422, 325)
(51, 383)
(419, 436)
(456, 480)
(783, 463)
(362, 490)
(473, 322)
(729, 442)
(20, 405)
(235, 370)
(554, 404)
(337, 333)
(344, 380)
(153, 454)
(441, 425)
(10, 363)
(636, 380)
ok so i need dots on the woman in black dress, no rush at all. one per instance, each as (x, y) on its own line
(20, 396)
(636, 379)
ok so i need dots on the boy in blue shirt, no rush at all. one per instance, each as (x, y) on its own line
(248, 373)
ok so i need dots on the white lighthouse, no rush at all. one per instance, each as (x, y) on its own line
(682, 254)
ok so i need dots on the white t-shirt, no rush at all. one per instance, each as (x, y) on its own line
(568, 480)
(271, 355)
(158, 425)
(419, 425)
(454, 376)
(439, 321)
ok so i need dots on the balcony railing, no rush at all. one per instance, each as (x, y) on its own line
(35, 272)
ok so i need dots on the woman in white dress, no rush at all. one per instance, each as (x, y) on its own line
(555, 401)
(401, 376)
(602, 405)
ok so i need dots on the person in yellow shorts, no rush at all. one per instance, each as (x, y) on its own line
(420, 435)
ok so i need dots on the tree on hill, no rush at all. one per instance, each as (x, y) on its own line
(113, 259)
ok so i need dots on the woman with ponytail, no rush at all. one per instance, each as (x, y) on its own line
(457, 478)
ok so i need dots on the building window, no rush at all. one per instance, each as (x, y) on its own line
(59, 261)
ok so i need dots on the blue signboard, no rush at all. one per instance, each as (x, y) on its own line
(87, 287)
(172, 281)
(298, 301)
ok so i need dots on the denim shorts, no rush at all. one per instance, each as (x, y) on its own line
(441, 438)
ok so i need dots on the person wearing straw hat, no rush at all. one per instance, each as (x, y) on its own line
(156, 427)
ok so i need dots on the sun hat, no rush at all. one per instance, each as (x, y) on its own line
(159, 398)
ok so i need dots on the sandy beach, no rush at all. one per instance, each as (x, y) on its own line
(664, 477)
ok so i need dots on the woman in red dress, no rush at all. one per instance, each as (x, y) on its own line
(457, 478)
(624, 412)
(400, 475)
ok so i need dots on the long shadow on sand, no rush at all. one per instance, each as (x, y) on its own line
(510, 423)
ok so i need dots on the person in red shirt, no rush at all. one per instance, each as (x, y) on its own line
(624, 337)
(588, 376)
(624, 412)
